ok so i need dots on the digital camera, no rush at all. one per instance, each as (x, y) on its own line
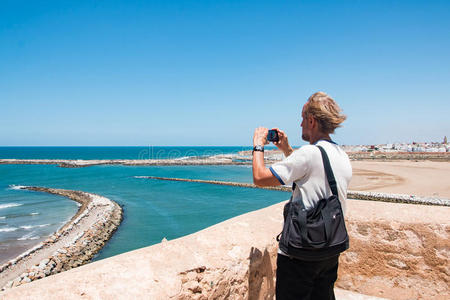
(272, 136)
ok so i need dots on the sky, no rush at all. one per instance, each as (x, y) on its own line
(209, 72)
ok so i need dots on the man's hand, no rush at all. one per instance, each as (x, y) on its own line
(283, 143)
(262, 176)
(260, 136)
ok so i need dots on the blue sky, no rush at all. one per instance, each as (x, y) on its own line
(209, 72)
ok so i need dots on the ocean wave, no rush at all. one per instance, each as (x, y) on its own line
(12, 216)
(16, 187)
(8, 229)
(140, 176)
(28, 236)
(34, 226)
(9, 205)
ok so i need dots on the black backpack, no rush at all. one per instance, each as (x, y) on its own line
(318, 233)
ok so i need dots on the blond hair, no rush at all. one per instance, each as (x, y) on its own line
(326, 111)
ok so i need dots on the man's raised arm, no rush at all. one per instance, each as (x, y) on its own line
(262, 176)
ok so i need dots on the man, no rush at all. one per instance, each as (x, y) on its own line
(298, 279)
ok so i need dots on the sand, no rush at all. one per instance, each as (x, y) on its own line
(421, 178)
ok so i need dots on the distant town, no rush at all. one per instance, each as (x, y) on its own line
(440, 147)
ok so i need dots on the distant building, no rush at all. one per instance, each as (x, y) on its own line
(445, 140)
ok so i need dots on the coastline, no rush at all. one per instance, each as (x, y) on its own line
(74, 244)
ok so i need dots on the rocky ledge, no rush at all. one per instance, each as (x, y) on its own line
(73, 245)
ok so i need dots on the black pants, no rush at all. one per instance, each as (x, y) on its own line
(302, 280)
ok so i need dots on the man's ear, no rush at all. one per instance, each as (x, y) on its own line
(313, 123)
(311, 120)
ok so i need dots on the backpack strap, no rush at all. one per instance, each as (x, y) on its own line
(329, 172)
(332, 182)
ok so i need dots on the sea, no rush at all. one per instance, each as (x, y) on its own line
(153, 209)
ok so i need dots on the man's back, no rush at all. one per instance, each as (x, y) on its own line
(304, 167)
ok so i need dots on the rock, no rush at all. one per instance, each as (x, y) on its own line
(16, 282)
(58, 268)
(26, 279)
(191, 276)
(43, 263)
(9, 284)
(193, 286)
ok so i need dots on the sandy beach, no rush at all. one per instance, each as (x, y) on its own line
(421, 178)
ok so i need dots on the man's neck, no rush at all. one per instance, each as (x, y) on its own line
(319, 136)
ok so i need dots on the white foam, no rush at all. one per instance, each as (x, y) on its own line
(140, 176)
(16, 187)
(9, 205)
(34, 213)
(28, 236)
(186, 157)
(33, 226)
(8, 229)
(2, 217)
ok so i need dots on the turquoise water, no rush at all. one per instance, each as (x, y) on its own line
(152, 209)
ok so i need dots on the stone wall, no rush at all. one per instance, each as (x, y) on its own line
(398, 260)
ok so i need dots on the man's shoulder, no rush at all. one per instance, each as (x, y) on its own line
(305, 150)
(303, 154)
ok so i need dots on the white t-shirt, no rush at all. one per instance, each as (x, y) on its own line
(305, 167)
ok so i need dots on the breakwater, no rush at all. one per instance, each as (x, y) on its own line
(68, 163)
(218, 182)
(371, 196)
(219, 160)
(72, 245)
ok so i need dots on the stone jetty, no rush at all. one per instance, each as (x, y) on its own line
(71, 246)
(79, 163)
